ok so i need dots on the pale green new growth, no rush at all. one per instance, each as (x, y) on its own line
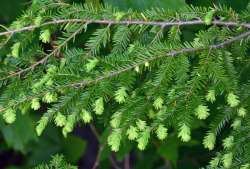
(184, 133)
(209, 141)
(38, 20)
(141, 125)
(114, 140)
(60, 120)
(211, 96)
(162, 132)
(227, 160)
(236, 124)
(143, 139)
(209, 17)
(158, 103)
(132, 133)
(228, 142)
(35, 104)
(50, 97)
(245, 166)
(86, 116)
(15, 49)
(45, 36)
(121, 94)
(202, 112)
(9, 116)
(214, 162)
(91, 64)
(242, 112)
(99, 106)
(69, 126)
(57, 162)
(41, 125)
(233, 100)
(116, 120)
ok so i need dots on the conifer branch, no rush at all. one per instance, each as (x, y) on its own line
(108, 22)
(42, 61)
(174, 53)
(127, 22)
(168, 54)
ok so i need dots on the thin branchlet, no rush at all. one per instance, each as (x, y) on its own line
(128, 22)
(43, 60)
(169, 54)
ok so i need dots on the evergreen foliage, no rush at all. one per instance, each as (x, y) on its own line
(57, 162)
(133, 74)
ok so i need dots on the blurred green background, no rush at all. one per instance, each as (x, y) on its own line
(21, 148)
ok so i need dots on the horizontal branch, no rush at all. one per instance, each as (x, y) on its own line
(128, 22)
(163, 24)
(174, 53)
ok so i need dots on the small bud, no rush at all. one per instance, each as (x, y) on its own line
(236, 124)
(119, 15)
(209, 141)
(15, 49)
(209, 17)
(50, 97)
(120, 95)
(151, 114)
(114, 140)
(233, 100)
(202, 112)
(69, 126)
(35, 105)
(137, 69)
(116, 120)
(86, 116)
(162, 132)
(99, 106)
(227, 160)
(38, 20)
(242, 112)
(45, 36)
(41, 125)
(132, 133)
(184, 133)
(228, 142)
(214, 162)
(91, 64)
(141, 124)
(158, 103)
(9, 116)
(210, 97)
(143, 139)
(60, 120)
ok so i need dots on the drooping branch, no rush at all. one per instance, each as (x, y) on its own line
(127, 22)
